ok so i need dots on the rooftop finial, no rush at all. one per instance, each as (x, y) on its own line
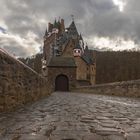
(72, 16)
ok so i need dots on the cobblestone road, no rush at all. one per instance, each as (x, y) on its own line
(74, 116)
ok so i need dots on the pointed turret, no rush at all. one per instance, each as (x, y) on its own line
(59, 24)
(81, 42)
(86, 47)
(73, 30)
(80, 37)
(46, 32)
(55, 25)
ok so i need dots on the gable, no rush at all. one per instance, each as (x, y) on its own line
(68, 50)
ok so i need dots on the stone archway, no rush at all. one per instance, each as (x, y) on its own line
(61, 83)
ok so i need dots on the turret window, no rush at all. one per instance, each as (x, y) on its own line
(77, 51)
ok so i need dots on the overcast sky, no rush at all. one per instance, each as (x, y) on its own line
(104, 24)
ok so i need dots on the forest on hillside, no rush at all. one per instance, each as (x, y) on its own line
(117, 66)
(111, 66)
(34, 62)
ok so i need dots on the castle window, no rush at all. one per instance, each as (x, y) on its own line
(77, 51)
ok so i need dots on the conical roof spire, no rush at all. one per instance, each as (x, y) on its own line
(73, 29)
(55, 25)
(80, 37)
(46, 32)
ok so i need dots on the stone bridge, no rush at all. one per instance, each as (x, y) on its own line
(74, 116)
(64, 115)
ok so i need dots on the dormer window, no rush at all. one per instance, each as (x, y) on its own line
(77, 52)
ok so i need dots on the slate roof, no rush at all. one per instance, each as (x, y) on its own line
(77, 46)
(62, 62)
(72, 30)
(61, 43)
(88, 57)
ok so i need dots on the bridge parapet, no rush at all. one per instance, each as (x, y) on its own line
(19, 84)
(125, 88)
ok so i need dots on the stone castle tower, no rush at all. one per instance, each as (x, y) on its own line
(66, 55)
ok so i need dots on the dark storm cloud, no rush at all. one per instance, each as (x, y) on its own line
(16, 45)
(26, 14)
(132, 10)
(93, 17)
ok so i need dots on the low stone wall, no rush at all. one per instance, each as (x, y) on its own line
(127, 88)
(18, 83)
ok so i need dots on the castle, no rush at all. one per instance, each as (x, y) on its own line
(67, 61)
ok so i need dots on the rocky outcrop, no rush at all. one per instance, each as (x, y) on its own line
(126, 88)
(19, 84)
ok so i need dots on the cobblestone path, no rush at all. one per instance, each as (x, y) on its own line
(74, 116)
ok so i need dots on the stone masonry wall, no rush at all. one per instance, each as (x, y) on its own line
(53, 72)
(81, 73)
(127, 88)
(18, 83)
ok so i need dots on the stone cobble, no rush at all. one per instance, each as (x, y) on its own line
(74, 116)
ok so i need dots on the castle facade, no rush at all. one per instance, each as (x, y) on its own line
(67, 61)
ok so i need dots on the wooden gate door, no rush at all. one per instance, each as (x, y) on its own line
(61, 83)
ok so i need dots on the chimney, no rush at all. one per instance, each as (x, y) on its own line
(62, 25)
